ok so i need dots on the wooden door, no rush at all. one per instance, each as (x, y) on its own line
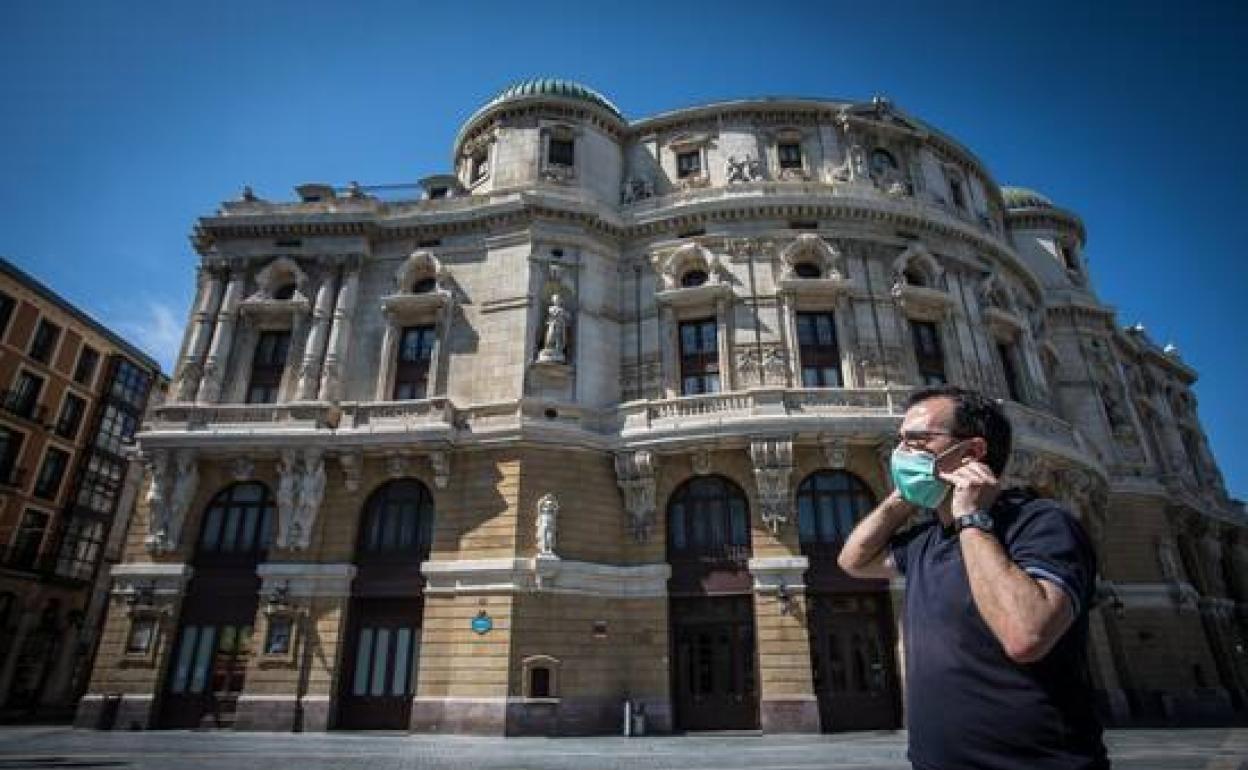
(379, 671)
(714, 679)
(854, 674)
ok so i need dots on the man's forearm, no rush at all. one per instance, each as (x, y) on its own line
(869, 538)
(1016, 607)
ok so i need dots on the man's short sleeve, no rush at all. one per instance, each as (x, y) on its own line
(900, 545)
(1048, 543)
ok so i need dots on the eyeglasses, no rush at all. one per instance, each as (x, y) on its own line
(920, 438)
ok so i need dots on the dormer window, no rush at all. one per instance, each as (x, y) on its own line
(790, 154)
(688, 164)
(1068, 256)
(480, 164)
(955, 192)
(424, 285)
(883, 163)
(437, 193)
(285, 291)
(693, 278)
(914, 277)
(562, 152)
(806, 270)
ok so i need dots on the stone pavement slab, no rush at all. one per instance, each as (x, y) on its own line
(63, 747)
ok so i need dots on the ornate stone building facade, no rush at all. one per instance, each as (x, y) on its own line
(586, 420)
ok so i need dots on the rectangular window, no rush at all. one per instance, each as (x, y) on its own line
(142, 634)
(44, 341)
(70, 418)
(10, 451)
(1008, 367)
(699, 357)
(411, 376)
(790, 155)
(277, 641)
(100, 484)
(437, 193)
(688, 164)
(80, 548)
(562, 152)
(7, 304)
(84, 370)
(23, 400)
(25, 550)
(116, 429)
(927, 352)
(820, 354)
(130, 384)
(51, 472)
(267, 367)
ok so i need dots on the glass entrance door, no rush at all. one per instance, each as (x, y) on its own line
(209, 670)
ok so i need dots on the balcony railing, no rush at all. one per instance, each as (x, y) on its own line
(689, 411)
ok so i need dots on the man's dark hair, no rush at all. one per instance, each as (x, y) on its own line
(974, 415)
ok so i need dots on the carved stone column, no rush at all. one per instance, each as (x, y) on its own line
(773, 465)
(634, 472)
(669, 348)
(387, 363)
(339, 338)
(191, 366)
(314, 350)
(222, 339)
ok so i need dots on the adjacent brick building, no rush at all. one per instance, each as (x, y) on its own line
(73, 393)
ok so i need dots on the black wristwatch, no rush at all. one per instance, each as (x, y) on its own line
(980, 519)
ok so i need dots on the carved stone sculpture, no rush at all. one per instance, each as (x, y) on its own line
(555, 340)
(746, 169)
(157, 498)
(547, 524)
(287, 490)
(773, 465)
(634, 472)
(311, 492)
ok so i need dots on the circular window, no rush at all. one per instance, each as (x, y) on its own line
(806, 270)
(693, 278)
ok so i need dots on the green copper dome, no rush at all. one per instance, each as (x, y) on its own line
(565, 89)
(1023, 198)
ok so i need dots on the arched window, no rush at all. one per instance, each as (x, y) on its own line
(882, 162)
(708, 516)
(398, 522)
(238, 524)
(829, 504)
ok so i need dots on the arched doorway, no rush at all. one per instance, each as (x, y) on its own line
(383, 621)
(714, 671)
(850, 621)
(213, 643)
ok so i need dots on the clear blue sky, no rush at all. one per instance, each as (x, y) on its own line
(123, 122)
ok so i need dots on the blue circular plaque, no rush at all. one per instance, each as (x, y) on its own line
(482, 623)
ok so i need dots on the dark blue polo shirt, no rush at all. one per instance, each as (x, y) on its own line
(968, 705)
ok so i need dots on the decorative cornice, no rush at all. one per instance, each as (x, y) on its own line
(545, 574)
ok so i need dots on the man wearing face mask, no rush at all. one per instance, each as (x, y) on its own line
(998, 585)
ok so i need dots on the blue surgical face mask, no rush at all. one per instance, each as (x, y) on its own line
(914, 475)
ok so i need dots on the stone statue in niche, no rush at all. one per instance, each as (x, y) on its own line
(555, 338)
(287, 486)
(746, 169)
(311, 491)
(547, 515)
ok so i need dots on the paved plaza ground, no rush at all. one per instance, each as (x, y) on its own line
(42, 748)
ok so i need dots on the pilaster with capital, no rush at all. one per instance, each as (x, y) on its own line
(191, 365)
(340, 337)
(222, 340)
(314, 350)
